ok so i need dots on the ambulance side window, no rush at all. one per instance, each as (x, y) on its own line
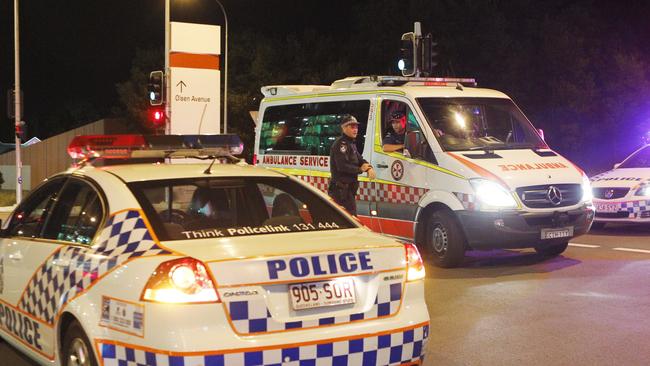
(29, 217)
(76, 215)
(415, 144)
(309, 128)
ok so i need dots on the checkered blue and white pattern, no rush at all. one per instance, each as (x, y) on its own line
(71, 270)
(634, 208)
(468, 200)
(253, 316)
(397, 348)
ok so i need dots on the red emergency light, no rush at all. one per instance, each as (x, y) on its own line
(154, 146)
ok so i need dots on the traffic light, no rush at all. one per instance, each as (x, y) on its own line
(156, 89)
(406, 63)
(156, 117)
(21, 130)
(429, 55)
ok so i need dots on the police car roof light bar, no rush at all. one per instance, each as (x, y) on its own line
(154, 146)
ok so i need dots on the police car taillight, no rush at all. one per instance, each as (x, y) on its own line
(415, 265)
(184, 280)
(154, 146)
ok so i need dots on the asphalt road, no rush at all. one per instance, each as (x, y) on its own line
(589, 306)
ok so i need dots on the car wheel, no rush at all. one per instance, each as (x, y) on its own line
(76, 349)
(445, 240)
(552, 250)
(598, 225)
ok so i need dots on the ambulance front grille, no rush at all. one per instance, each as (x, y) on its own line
(538, 196)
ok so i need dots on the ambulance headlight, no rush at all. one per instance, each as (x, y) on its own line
(643, 191)
(492, 194)
(587, 194)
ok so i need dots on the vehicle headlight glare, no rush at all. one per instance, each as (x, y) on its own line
(643, 191)
(587, 194)
(492, 194)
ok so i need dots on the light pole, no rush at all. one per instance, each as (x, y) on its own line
(225, 70)
(17, 114)
(167, 78)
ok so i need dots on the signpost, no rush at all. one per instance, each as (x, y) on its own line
(194, 89)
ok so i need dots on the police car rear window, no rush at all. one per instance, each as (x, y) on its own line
(187, 209)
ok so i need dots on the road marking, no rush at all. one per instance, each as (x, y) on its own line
(584, 245)
(633, 250)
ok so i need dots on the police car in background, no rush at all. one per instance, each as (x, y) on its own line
(623, 194)
(152, 263)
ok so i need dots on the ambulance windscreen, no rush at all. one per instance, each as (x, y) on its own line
(200, 208)
(462, 124)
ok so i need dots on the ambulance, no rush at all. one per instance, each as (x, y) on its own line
(473, 172)
(623, 193)
(128, 259)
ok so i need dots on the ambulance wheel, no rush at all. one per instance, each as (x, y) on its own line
(76, 349)
(444, 240)
(597, 225)
(552, 250)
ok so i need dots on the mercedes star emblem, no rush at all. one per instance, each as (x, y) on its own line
(554, 195)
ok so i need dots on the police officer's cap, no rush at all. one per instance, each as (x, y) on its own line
(397, 116)
(348, 119)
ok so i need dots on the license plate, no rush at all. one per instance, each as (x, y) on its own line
(309, 295)
(606, 207)
(565, 232)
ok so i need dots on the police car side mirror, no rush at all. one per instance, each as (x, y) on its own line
(541, 133)
(617, 165)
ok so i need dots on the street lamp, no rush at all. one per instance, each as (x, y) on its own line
(167, 69)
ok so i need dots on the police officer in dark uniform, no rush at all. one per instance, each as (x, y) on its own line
(346, 164)
(394, 140)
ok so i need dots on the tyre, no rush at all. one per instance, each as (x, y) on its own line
(552, 250)
(597, 225)
(76, 349)
(445, 242)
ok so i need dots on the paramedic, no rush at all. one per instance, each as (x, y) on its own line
(394, 139)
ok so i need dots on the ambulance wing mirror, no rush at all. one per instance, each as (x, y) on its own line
(541, 133)
(617, 165)
(254, 115)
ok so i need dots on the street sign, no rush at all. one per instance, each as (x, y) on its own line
(195, 82)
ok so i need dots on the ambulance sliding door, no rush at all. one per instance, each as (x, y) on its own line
(401, 175)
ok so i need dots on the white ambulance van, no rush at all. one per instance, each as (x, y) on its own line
(473, 174)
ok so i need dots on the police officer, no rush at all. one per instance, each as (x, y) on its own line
(394, 140)
(346, 164)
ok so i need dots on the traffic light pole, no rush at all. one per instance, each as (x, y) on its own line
(17, 114)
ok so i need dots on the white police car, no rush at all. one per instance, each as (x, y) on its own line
(623, 194)
(200, 264)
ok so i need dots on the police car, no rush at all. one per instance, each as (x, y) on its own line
(128, 260)
(623, 194)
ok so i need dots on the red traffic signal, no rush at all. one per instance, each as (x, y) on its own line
(156, 117)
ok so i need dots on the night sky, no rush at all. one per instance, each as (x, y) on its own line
(73, 53)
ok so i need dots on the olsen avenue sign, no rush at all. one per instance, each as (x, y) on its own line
(195, 80)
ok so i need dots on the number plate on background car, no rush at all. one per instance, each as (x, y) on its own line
(309, 295)
(606, 207)
(565, 232)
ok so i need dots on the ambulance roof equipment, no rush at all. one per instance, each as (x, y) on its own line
(369, 82)
(90, 147)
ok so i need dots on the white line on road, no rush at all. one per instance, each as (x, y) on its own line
(633, 250)
(584, 245)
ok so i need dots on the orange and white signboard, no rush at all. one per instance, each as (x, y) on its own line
(194, 62)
